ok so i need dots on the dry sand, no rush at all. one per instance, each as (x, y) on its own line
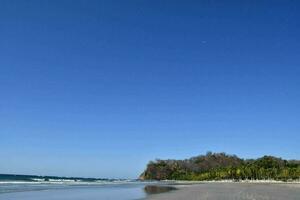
(232, 191)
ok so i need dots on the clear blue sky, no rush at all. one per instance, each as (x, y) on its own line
(99, 88)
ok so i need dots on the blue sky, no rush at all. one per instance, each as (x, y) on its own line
(99, 88)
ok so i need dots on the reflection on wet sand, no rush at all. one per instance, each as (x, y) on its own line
(155, 189)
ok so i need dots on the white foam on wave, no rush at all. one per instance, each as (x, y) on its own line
(67, 182)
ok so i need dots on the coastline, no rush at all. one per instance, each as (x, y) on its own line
(230, 190)
(183, 182)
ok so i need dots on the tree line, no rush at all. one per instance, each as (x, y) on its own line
(221, 166)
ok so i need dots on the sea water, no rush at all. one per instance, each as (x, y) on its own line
(65, 191)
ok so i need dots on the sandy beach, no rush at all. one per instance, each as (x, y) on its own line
(232, 191)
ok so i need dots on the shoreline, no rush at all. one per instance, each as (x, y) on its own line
(183, 182)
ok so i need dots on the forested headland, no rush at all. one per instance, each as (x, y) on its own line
(221, 166)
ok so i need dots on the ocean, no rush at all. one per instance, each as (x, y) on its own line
(121, 190)
(62, 191)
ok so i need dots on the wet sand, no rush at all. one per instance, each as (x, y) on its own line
(232, 191)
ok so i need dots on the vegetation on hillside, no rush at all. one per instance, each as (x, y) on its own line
(221, 166)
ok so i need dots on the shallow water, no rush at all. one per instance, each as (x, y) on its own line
(125, 191)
